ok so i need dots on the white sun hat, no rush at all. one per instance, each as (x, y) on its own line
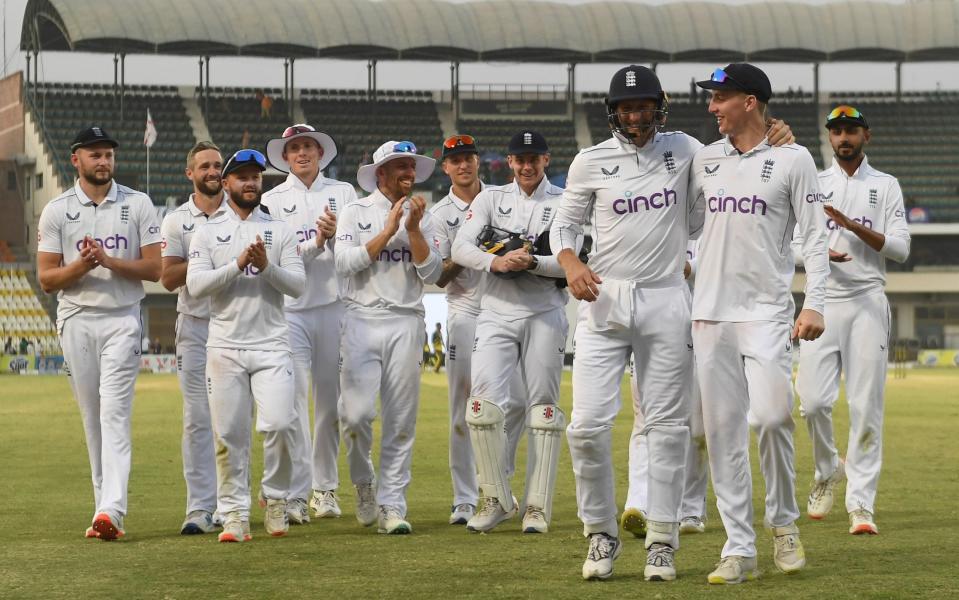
(366, 175)
(274, 148)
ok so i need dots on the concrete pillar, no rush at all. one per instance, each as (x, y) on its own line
(905, 320)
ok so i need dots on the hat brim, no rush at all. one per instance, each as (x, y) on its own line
(524, 150)
(113, 143)
(731, 86)
(233, 168)
(366, 175)
(275, 147)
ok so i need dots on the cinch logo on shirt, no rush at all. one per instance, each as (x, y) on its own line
(864, 221)
(250, 270)
(154, 229)
(396, 255)
(306, 233)
(744, 205)
(817, 197)
(664, 199)
(113, 242)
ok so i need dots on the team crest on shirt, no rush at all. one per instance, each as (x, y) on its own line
(767, 172)
(268, 237)
(669, 162)
(124, 214)
(73, 218)
(547, 214)
(711, 171)
(873, 198)
(332, 202)
(610, 173)
(290, 210)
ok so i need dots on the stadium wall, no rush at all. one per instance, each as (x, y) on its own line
(11, 155)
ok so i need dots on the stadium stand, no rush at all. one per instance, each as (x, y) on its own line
(22, 316)
(63, 109)
(359, 125)
(917, 140)
(231, 113)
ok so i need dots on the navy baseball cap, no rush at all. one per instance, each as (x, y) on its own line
(90, 136)
(740, 77)
(527, 142)
(244, 158)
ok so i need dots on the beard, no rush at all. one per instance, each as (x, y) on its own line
(209, 188)
(247, 204)
(94, 177)
(849, 153)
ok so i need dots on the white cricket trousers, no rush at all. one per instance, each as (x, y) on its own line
(856, 341)
(460, 334)
(238, 381)
(535, 344)
(199, 459)
(102, 351)
(657, 335)
(697, 471)
(745, 376)
(315, 341)
(381, 354)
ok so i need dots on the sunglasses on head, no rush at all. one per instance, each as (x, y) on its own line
(405, 147)
(844, 111)
(296, 130)
(248, 155)
(459, 140)
(721, 76)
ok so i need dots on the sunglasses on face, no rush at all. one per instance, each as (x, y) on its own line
(459, 140)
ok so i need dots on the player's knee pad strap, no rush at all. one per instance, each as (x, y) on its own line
(546, 423)
(488, 437)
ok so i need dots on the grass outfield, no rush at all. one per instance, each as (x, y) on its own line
(49, 503)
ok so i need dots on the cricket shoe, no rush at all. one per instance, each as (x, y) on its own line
(788, 553)
(660, 563)
(692, 525)
(634, 521)
(734, 569)
(107, 528)
(366, 511)
(91, 533)
(461, 514)
(391, 522)
(236, 529)
(490, 515)
(325, 505)
(861, 521)
(297, 512)
(197, 522)
(822, 493)
(603, 550)
(534, 521)
(275, 521)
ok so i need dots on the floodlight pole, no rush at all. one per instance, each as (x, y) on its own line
(289, 101)
(206, 88)
(571, 90)
(286, 78)
(815, 83)
(123, 76)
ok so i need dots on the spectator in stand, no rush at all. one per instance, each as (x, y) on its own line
(23, 345)
(245, 140)
(157, 348)
(266, 105)
(8, 347)
(145, 345)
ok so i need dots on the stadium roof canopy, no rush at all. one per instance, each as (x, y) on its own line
(511, 30)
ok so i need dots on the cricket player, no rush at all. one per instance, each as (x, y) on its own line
(96, 243)
(245, 263)
(308, 202)
(866, 225)
(753, 196)
(464, 288)
(692, 514)
(204, 165)
(385, 252)
(522, 323)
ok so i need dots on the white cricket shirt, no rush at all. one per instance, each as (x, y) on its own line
(464, 291)
(300, 207)
(123, 223)
(753, 202)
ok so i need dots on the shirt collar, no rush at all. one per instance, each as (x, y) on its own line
(298, 184)
(459, 202)
(860, 173)
(380, 200)
(538, 193)
(86, 201)
(196, 212)
(731, 150)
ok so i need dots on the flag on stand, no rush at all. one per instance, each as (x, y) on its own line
(150, 135)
